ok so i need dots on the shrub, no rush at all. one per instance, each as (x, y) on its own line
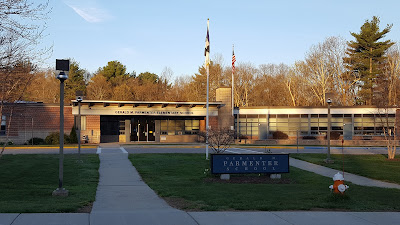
(335, 135)
(36, 141)
(54, 138)
(8, 143)
(279, 135)
(309, 137)
(73, 138)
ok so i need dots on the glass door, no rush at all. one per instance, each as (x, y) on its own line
(134, 129)
(143, 129)
(151, 127)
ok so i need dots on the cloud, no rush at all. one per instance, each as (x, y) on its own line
(89, 11)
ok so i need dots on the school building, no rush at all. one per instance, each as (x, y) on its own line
(161, 121)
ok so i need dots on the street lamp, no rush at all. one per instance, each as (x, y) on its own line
(79, 100)
(328, 136)
(63, 66)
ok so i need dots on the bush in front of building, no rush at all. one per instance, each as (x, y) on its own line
(309, 137)
(54, 139)
(8, 143)
(279, 135)
(73, 138)
(35, 141)
(335, 135)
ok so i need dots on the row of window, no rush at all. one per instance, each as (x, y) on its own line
(315, 124)
(180, 127)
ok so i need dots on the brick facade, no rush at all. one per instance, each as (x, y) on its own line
(92, 131)
(25, 121)
(213, 123)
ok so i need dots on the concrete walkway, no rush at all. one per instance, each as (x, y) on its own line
(123, 198)
(328, 172)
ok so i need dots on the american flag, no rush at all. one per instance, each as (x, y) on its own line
(233, 61)
(207, 48)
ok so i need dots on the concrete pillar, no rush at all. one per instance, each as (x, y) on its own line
(128, 131)
(157, 130)
(225, 118)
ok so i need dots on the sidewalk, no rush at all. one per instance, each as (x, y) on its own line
(328, 172)
(122, 198)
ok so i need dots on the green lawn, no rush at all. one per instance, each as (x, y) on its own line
(372, 166)
(181, 180)
(27, 183)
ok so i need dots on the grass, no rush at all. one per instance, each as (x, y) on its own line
(27, 183)
(372, 166)
(182, 180)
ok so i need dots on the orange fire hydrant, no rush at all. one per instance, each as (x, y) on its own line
(338, 184)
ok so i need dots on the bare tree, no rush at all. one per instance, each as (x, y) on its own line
(44, 87)
(344, 81)
(219, 139)
(269, 84)
(298, 88)
(391, 76)
(316, 69)
(244, 83)
(99, 88)
(21, 29)
(387, 123)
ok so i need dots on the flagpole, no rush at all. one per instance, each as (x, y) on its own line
(208, 79)
(207, 117)
(233, 102)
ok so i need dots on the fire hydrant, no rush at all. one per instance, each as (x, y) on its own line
(338, 185)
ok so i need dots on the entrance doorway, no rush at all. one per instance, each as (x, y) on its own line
(143, 129)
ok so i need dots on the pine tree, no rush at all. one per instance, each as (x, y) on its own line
(366, 55)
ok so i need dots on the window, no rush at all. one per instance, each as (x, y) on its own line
(179, 127)
(3, 125)
(122, 127)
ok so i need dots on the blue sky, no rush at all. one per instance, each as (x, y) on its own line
(151, 35)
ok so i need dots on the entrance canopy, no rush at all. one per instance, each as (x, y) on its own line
(143, 108)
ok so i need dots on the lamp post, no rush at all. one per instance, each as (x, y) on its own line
(62, 65)
(328, 136)
(79, 100)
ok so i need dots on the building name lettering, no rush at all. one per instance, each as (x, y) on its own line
(138, 112)
(250, 163)
(243, 163)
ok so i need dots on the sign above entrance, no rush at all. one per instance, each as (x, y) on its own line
(120, 111)
(140, 112)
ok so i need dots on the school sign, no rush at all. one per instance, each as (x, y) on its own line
(249, 163)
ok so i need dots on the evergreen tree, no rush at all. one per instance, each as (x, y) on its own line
(75, 81)
(366, 55)
(114, 72)
(148, 77)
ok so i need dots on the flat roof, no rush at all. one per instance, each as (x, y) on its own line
(142, 103)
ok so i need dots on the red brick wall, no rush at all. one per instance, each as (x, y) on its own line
(92, 128)
(213, 122)
(45, 118)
